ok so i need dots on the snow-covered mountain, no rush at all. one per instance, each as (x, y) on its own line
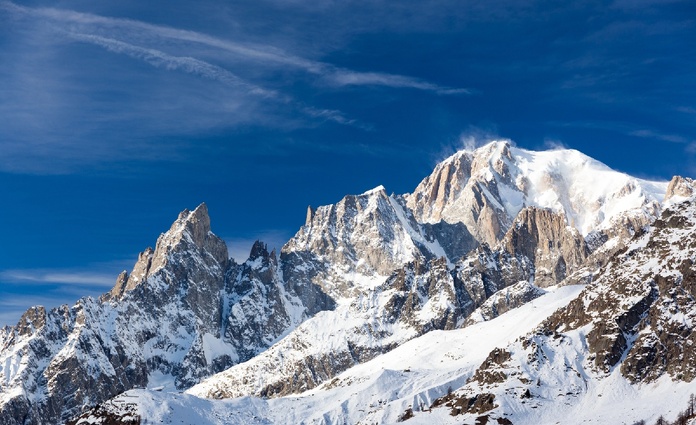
(486, 188)
(625, 343)
(482, 253)
(185, 312)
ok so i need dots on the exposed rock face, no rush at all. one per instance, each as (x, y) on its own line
(140, 271)
(679, 187)
(631, 307)
(192, 228)
(479, 403)
(368, 234)
(485, 189)
(184, 313)
(259, 308)
(418, 297)
(119, 287)
(109, 413)
(546, 239)
(504, 300)
(353, 229)
(635, 318)
(459, 190)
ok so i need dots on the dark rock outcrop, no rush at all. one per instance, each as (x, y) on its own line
(635, 318)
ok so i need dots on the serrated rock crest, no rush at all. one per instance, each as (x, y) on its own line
(485, 233)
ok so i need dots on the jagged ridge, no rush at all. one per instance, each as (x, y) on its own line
(378, 269)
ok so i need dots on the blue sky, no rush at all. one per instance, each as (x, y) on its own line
(116, 115)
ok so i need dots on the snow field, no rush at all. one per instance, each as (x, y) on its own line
(379, 391)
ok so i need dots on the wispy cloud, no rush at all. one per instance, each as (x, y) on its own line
(649, 134)
(145, 31)
(343, 77)
(627, 129)
(58, 276)
(554, 144)
(475, 136)
(265, 54)
(686, 109)
(24, 288)
(187, 64)
(64, 107)
(335, 116)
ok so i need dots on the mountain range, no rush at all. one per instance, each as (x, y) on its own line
(511, 286)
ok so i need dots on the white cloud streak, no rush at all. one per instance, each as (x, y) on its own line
(186, 64)
(194, 66)
(265, 54)
(344, 77)
(131, 27)
(53, 109)
(332, 115)
(58, 276)
(65, 287)
(649, 134)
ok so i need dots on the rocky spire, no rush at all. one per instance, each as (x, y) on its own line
(310, 215)
(173, 301)
(680, 186)
(141, 269)
(258, 250)
(190, 228)
(118, 289)
(190, 232)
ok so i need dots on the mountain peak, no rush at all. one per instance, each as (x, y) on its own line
(490, 146)
(680, 188)
(258, 250)
(377, 190)
(486, 188)
(191, 229)
(190, 232)
(197, 222)
(481, 235)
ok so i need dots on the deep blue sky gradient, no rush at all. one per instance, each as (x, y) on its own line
(116, 115)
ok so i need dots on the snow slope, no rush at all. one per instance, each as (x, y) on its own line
(424, 369)
(379, 391)
(622, 351)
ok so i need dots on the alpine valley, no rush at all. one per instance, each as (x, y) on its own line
(511, 287)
